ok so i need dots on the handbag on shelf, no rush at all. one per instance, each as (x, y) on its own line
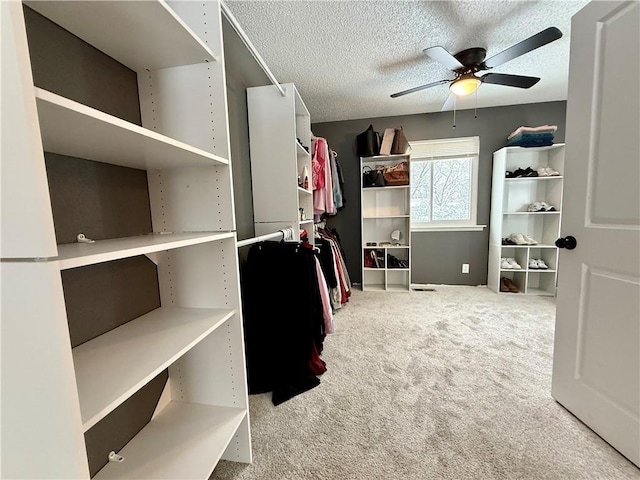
(368, 143)
(371, 177)
(400, 142)
(397, 175)
(388, 137)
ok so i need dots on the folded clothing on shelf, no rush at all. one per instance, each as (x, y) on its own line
(531, 140)
(539, 129)
(540, 136)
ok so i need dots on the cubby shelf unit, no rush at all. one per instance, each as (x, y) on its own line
(54, 394)
(510, 199)
(385, 209)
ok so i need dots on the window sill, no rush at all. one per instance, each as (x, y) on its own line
(452, 228)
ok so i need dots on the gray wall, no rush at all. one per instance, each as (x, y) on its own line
(437, 257)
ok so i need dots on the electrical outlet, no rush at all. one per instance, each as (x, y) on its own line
(465, 268)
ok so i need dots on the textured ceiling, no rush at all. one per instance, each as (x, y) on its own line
(347, 56)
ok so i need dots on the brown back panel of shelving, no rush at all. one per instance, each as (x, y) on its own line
(102, 201)
(97, 199)
(116, 429)
(64, 64)
(104, 296)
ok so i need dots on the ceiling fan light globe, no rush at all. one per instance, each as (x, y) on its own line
(464, 86)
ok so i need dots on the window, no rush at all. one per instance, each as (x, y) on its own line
(444, 183)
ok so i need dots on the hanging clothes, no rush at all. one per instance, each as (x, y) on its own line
(338, 280)
(335, 180)
(284, 319)
(323, 202)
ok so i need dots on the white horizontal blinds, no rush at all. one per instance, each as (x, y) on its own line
(445, 148)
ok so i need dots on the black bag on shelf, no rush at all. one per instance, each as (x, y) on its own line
(368, 143)
(371, 177)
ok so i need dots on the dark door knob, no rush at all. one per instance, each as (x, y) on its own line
(567, 242)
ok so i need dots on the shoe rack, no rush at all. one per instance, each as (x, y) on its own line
(510, 200)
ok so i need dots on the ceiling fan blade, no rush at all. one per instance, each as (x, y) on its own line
(519, 81)
(448, 103)
(439, 54)
(417, 89)
(525, 46)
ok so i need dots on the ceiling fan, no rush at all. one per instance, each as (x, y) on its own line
(467, 63)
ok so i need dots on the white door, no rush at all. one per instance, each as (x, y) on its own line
(596, 365)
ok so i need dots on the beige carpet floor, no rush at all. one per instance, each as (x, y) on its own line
(451, 384)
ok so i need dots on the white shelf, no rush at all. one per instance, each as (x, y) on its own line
(528, 246)
(390, 187)
(384, 246)
(73, 129)
(385, 216)
(397, 269)
(384, 157)
(373, 287)
(517, 149)
(556, 212)
(72, 255)
(538, 291)
(302, 190)
(139, 34)
(184, 441)
(113, 366)
(550, 177)
(398, 288)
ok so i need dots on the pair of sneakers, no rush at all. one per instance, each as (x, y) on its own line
(509, 264)
(537, 264)
(547, 172)
(522, 172)
(522, 239)
(540, 207)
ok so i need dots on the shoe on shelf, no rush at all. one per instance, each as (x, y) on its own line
(529, 172)
(541, 265)
(515, 265)
(518, 239)
(533, 264)
(551, 172)
(508, 241)
(507, 285)
(542, 172)
(535, 207)
(505, 264)
(546, 207)
(528, 240)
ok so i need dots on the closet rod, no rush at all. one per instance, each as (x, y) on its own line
(261, 238)
(252, 50)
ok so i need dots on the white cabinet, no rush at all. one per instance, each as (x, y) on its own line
(279, 131)
(52, 393)
(385, 210)
(510, 201)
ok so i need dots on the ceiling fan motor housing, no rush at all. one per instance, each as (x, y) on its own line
(472, 59)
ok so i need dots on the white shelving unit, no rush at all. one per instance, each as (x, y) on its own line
(277, 125)
(510, 198)
(52, 394)
(385, 209)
